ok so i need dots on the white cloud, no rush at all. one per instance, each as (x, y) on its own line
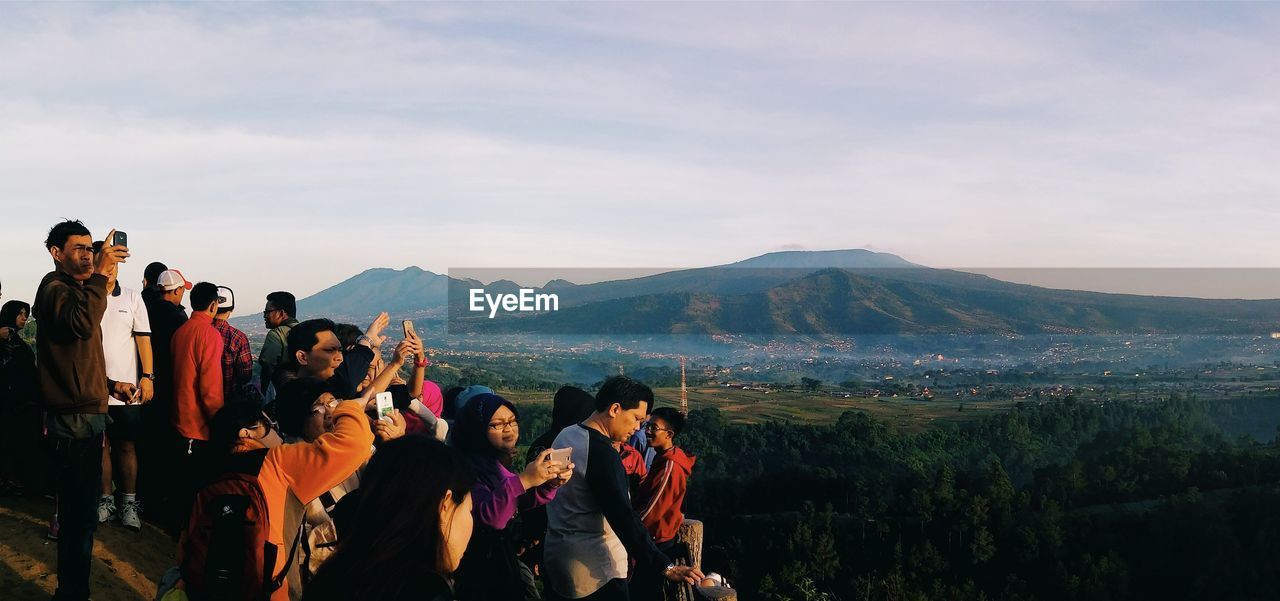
(639, 134)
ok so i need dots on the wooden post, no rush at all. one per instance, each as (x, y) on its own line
(691, 534)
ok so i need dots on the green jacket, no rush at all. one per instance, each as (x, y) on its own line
(275, 352)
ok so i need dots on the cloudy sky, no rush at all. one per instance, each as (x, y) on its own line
(293, 145)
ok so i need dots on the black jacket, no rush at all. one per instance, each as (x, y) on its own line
(17, 372)
(165, 319)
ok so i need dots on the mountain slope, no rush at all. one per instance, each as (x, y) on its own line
(407, 291)
(414, 290)
(835, 301)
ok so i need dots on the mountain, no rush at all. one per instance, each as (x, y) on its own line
(749, 275)
(413, 290)
(856, 258)
(801, 292)
(845, 302)
(408, 291)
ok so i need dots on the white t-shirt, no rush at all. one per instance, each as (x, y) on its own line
(125, 317)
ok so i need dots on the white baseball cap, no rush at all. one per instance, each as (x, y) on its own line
(226, 299)
(172, 280)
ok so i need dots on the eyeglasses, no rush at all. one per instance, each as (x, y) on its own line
(269, 424)
(652, 427)
(510, 424)
(267, 312)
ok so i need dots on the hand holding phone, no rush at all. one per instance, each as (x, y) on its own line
(565, 458)
(385, 406)
(561, 455)
(411, 334)
(111, 254)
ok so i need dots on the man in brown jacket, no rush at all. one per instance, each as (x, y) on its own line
(74, 388)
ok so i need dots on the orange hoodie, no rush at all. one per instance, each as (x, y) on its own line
(308, 470)
(197, 376)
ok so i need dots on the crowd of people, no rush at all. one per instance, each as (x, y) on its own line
(340, 472)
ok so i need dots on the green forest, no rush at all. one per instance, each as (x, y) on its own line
(1063, 500)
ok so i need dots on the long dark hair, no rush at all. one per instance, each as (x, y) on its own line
(394, 531)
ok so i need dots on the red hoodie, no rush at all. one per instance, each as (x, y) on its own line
(662, 493)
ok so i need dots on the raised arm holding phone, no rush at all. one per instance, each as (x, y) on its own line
(74, 389)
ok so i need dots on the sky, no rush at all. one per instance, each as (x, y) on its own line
(290, 146)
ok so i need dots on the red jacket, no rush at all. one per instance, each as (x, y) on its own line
(633, 466)
(662, 493)
(197, 376)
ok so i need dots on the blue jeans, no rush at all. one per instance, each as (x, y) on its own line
(78, 464)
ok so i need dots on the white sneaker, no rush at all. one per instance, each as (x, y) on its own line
(129, 515)
(106, 509)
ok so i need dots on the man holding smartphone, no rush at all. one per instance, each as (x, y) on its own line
(74, 388)
(126, 345)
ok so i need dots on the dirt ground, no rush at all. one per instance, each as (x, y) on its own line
(126, 565)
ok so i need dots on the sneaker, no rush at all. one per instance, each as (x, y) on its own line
(106, 509)
(129, 515)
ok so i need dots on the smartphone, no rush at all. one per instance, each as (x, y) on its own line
(120, 239)
(409, 332)
(385, 407)
(561, 455)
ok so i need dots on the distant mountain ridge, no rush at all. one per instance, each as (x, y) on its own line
(415, 290)
(800, 292)
(849, 302)
(855, 258)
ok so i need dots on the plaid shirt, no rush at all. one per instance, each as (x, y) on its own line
(237, 359)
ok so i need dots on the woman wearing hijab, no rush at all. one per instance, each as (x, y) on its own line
(19, 414)
(486, 431)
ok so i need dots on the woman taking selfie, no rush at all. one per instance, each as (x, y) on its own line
(486, 431)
